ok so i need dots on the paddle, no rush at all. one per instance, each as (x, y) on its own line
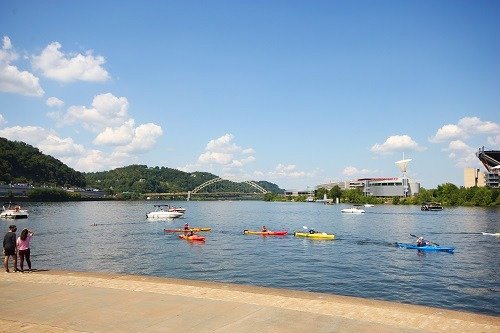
(428, 241)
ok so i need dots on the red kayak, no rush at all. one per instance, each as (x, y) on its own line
(195, 229)
(193, 238)
(266, 233)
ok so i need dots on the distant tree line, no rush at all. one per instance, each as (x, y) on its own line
(22, 163)
(136, 179)
(447, 194)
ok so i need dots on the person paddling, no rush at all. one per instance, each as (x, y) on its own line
(263, 229)
(186, 227)
(422, 242)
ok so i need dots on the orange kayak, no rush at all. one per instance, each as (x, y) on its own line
(193, 238)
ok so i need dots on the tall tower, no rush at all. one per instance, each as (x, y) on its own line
(403, 167)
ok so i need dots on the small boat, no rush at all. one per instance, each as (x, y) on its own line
(162, 212)
(431, 206)
(195, 229)
(266, 233)
(13, 211)
(353, 210)
(496, 234)
(316, 235)
(369, 205)
(192, 238)
(177, 209)
(426, 247)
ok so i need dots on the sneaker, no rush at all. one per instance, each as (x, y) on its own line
(7, 271)
(17, 270)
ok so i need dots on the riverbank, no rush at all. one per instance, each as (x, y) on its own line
(63, 301)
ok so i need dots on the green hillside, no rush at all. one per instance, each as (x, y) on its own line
(22, 163)
(144, 179)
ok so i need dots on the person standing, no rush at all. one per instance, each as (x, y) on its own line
(23, 246)
(9, 248)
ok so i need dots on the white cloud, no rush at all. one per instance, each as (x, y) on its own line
(13, 80)
(6, 55)
(224, 152)
(458, 145)
(76, 155)
(214, 157)
(465, 128)
(462, 153)
(494, 141)
(6, 43)
(54, 102)
(107, 111)
(2, 120)
(248, 151)
(56, 146)
(396, 143)
(29, 134)
(448, 132)
(143, 140)
(353, 171)
(96, 160)
(473, 125)
(116, 136)
(46, 140)
(70, 67)
(287, 171)
(189, 168)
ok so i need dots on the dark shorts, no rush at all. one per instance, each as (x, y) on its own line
(9, 252)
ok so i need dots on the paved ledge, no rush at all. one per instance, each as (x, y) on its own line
(61, 301)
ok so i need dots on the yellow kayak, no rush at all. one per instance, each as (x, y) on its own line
(318, 235)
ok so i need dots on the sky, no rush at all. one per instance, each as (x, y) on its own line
(298, 93)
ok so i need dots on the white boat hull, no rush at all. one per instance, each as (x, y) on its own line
(352, 211)
(163, 215)
(13, 214)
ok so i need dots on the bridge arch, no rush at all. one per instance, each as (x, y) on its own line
(218, 179)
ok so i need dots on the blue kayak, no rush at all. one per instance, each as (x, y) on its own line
(427, 247)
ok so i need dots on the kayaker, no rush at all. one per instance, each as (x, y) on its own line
(186, 227)
(422, 242)
(264, 229)
(312, 231)
(190, 233)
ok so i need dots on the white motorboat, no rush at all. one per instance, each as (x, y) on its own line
(13, 211)
(353, 210)
(177, 209)
(163, 212)
(368, 205)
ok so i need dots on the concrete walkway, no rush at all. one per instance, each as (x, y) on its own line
(55, 301)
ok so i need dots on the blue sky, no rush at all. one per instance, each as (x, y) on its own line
(294, 92)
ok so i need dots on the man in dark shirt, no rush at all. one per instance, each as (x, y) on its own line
(9, 248)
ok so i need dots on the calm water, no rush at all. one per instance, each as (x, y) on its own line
(362, 262)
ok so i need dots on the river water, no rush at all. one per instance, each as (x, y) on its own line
(362, 261)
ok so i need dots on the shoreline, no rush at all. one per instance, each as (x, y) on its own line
(352, 313)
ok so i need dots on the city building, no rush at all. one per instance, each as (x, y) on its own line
(474, 177)
(382, 187)
(296, 193)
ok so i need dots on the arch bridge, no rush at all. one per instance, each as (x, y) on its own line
(197, 190)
